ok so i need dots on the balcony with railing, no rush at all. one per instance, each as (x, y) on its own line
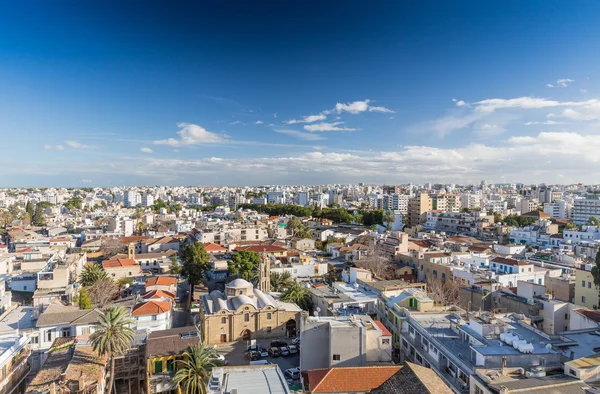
(19, 368)
(161, 382)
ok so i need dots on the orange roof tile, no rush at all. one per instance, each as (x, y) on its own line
(352, 379)
(161, 281)
(383, 328)
(60, 239)
(158, 294)
(151, 308)
(262, 248)
(213, 247)
(118, 263)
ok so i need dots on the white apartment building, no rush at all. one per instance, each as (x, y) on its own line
(147, 200)
(131, 198)
(470, 200)
(558, 210)
(584, 209)
(302, 198)
(276, 197)
(395, 202)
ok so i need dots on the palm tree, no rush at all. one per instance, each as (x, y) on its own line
(389, 218)
(112, 336)
(193, 374)
(279, 281)
(92, 273)
(299, 295)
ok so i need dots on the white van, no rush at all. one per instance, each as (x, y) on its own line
(259, 362)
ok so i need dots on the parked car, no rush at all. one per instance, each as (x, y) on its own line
(284, 351)
(292, 349)
(220, 358)
(292, 373)
(263, 352)
(274, 352)
(252, 348)
(277, 343)
(296, 341)
(253, 356)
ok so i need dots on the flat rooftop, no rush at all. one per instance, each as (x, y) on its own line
(251, 379)
(22, 318)
(357, 295)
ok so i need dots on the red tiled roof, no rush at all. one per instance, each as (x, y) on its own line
(117, 263)
(350, 379)
(161, 281)
(590, 314)
(261, 248)
(505, 261)
(158, 294)
(133, 238)
(213, 247)
(385, 331)
(151, 308)
(60, 239)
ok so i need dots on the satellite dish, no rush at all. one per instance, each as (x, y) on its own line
(127, 285)
(318, 309)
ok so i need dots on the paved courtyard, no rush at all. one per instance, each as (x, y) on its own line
(235, 354)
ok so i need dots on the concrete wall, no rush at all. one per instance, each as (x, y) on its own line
(315, 340)
(560, 288)
(349, 342)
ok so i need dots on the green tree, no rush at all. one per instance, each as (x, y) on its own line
(243, 263)
(593, 221)
(388, 219)
(38, 218)
(280, 280)
(125, 281)
(174, 267)
(92, 273)
(193, 373)
(294, 224)
(29, 208)
(596, 275)
(84, 300)
(195, 264)
(299, 295)
(112, 336)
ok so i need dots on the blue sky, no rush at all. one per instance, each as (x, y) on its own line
(241, 93)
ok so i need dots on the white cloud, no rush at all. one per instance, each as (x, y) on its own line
(275, 115)
(460, 103)
(381, 109)
(491, 105)
(191, 134)
(259, 122)
(300, 134)
(355, 107)
(54, 147)
(308, 119)
(86, 181)
(236, 122)
(146, 150)
(548, 122)
(589, 110)
(561, 83)
(584, 91)
(77, 145)
(391, 117)
(327, 127)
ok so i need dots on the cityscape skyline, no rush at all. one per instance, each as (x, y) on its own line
(202, 94)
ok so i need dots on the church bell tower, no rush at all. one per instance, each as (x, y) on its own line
(264, 274)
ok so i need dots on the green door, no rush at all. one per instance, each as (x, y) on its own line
(170, 365)
(410, 302)
(416, 304)
(158, 366)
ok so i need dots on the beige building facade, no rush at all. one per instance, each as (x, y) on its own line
(244, 313)
(586, 293)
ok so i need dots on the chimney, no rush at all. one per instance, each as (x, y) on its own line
(503, 365)
(503, 390)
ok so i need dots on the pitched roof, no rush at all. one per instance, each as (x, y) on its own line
(505, 261)
(536, 214)
(158, 294)
(151, 308)
(413, 379)
(165, 342)
(383, 328)
(590, 314)
(161, 281)
(352, 379)
(261, 248)
(118, 263)
(213, 247)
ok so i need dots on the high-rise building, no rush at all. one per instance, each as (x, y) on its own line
(130, 198)
(584, 209)
(417, 208)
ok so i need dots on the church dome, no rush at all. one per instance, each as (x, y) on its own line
(238, 284)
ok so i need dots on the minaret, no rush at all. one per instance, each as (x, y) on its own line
(264, 274)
